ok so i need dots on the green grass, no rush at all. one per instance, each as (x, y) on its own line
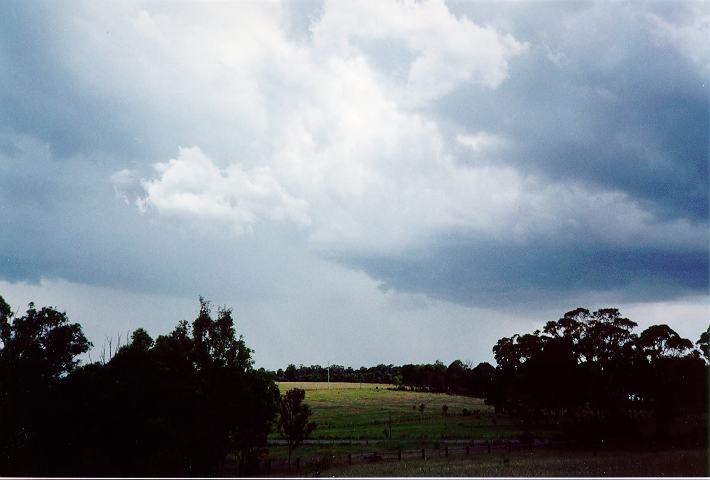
(363, 411)
(351, 411)
(545, 463)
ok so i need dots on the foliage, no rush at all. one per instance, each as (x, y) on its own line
(37, 352)
(388, 374)
(703, 345)
(173, 406)
(591, 368)
(456, 378)
(293, 421)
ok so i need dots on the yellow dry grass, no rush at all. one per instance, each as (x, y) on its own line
(285, 386)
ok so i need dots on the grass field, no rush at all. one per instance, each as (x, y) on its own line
(543, 463)
(365, 411)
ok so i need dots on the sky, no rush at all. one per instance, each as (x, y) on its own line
(361, 182)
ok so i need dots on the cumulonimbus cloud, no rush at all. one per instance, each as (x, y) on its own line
(346, 147)
(520, 155)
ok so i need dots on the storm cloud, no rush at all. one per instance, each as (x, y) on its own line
(437, 157)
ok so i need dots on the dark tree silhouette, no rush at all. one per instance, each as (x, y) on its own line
(661, 341)
(591, 369)
(171, 406)
(38, 350)
(293, 421)
(703, 345)
(291, 373)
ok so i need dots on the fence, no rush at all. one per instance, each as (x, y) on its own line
(479, 447)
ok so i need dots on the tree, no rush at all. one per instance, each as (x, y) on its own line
(38, 350)
(703, 345)
(661, 341)
(481, 379)
(591, 370)
(140, 340)
(215, 341)
(293, 421)
(455, 376)
(174, 406)
(41, 340)
(665, 372)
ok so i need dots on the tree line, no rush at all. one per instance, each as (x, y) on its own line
(337, 373)
(595, 373)
(436, 377)
(177, 404)
(174, 405)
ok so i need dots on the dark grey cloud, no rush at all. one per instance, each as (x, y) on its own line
(41, 97)
(622, 110)
(599, 101)
(541, 276)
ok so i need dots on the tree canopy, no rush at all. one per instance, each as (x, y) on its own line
(592, 365)
(175, 405)
(293, 421)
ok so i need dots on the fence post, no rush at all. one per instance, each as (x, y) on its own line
(468, 449)
(509, 446)
(399, 454)
(423, 454)
(374, 457)
(446, 451)
(298, 464)
(350, 459)
(488, 444)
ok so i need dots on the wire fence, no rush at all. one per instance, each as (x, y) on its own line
(303, 467)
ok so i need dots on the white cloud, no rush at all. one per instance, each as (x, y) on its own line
(690, 33)
(321, 134)
(317, 122)
(193, 187)
(446, 51)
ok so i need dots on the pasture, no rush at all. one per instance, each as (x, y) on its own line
(356, 411)
(543, 463)
(356, 418)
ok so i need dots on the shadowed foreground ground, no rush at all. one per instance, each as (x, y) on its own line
(544, 463)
